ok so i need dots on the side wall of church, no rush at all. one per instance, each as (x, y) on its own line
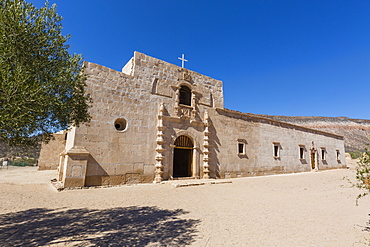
(49, 153)
(225, 135)
(258, 137)
(289, 140)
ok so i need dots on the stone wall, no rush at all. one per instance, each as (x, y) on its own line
(133, 97)
(115, 155)
(260, 135)
(49, 154)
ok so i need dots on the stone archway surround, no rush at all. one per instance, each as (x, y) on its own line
(195, 156)
(183, 157)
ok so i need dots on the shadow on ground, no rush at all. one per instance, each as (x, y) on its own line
(129, 226)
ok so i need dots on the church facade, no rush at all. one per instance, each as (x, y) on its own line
(155, 121)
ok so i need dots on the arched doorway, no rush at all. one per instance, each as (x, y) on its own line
(182, 157)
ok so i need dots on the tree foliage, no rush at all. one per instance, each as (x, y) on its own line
(42, 87)
(355, 155)
(363, 174)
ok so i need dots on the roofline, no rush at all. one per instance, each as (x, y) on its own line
(279, 122)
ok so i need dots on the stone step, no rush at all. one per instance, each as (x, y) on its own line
(178, 184)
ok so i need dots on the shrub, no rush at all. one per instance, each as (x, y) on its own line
(23, 162)
(355, 155)
(363, 174)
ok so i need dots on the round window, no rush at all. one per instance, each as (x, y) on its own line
(120, 124)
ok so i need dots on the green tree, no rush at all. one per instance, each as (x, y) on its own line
(42, 86)
(363, 174)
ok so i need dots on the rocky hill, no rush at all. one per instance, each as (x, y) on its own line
(355, 131)
(8, 152)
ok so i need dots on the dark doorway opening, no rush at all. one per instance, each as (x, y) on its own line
(182, 162)
(182, 157)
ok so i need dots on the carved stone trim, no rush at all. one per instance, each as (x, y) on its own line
(185, 111)
(78, 151)
(156, 83)
(206, 147)
(185, 75)
(160, 141)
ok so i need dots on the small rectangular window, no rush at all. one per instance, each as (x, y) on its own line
(276, 150)
(323, 152)
(338, 154)
(301, 152)
(242, 143)
(241, 148)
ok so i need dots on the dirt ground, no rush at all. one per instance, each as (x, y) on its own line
(306, 209)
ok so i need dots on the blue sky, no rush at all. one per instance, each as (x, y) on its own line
(293, 58)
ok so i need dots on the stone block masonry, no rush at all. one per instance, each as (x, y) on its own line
(155, 121)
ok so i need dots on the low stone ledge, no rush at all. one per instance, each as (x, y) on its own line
(178, 185)
(59, 187)
(221, 182)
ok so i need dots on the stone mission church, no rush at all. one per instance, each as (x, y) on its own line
(155, 121)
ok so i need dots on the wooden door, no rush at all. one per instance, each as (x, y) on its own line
(313, 165)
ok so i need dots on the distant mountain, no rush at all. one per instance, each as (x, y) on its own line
(355, 131)
(8, 152)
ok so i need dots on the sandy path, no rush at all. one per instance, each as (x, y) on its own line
(308, 209)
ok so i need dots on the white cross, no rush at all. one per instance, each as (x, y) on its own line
(182, 60)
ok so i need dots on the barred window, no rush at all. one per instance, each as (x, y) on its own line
(185, 95)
